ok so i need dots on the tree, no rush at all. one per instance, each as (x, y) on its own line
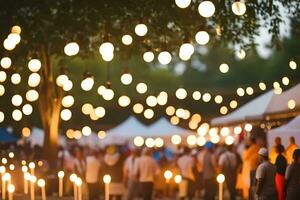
(47, 26)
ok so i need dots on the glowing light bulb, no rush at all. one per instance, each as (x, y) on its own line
(206, 9)
(202, 37)
(238, 8)
(148, 56)
(32, 95)
(148, 113)
(6, 62)
(87, 83)
(66, 114)
(15, 78)
(124, 101)
(126, 78)
(181, 93)
(71, 49)
(224, 68)
(183, 3)
(34, 65)
(27, 109)
(108, 94)
(34, 80)
(86, 131)
(127, 39)
(141, 88)
(138, 141)
(141, 30)
(164, 57)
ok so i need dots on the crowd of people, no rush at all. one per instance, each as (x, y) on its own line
(253, 173)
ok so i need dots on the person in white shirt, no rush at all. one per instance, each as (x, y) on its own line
(145, 170)
(130, 180)
(92, 175)
(186, 164)
(228, 165)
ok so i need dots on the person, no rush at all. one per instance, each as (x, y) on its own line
(273, 152)
(92, 175)
(208, 164)
(113, 165)
(290, 150)
(129, 178)
(145, 170)
(281, 165)
(250, 163)
(292, 178)
(79, 162)
(186, 165)
(265, 177)
(228, 165)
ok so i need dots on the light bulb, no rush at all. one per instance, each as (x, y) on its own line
(291, 104)
(5, 62)
(101, 134)
(241, 54)
(148, 56)
(206, 9)
(86, 131)
(191, 140)
(148, 113)
(68, 85)
(164, 57)
(176, 139)
(71, 49)
(141, 88)
(17, 115)
(186, 51)
(106, 48)
(15, 78)
(8, 44)
(32, 95)
(124, 101)
(202, 37)
(16, 100)
(108, 56)
(2, 116)
(138, 108)
(151, 101)
(87, 83)
(127, 39)
(182, 3)
(138, 141)
(16, 29)
(108, 94)
(220, 178)
(34, 80)
(14, 37)
(224, 68)
(66, 114)
(181, 93)
(149, 142)
(27, 109)
(3, 76)
(238, 7)
(34, 65)
(126, 78)
(100, 112)
(106, 179)
(68, 101)
(141, 30)
(61, 80)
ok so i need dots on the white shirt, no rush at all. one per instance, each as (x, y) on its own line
(129, 166)
(186, 163)
(146, 169)
(92, 169)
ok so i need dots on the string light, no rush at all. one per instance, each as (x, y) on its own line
(181, 93)
(6, 62)
(164, 57)
(124, 101)
(127, 39)
(138, 141)
(27, 109)
(170, 110)
(238, 8)
(34, 80)
(34, 65)
(291, 104)
(202, 37)
(206, 97)
(141, 30)
(100, 111)
(174, 120)
(66, 114)
(141, 88)
(71, 49)
(15, 78)
(293, 64)
(196, 95)
(224, 68)
(86, 131)
(68, 101)
(183, 3)
(148, 113)
(240, 92)
(206, 9)
(176, 139)
(3, 76)
(138, 108)
(126, 78)
(148, 56)
(151, 101)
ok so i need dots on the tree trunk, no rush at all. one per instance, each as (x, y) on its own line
(49, 107)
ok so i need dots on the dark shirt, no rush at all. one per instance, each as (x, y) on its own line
(281, 164)
(293, 178)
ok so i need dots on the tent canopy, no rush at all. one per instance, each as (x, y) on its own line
(6, 136)
(256, 107)
(285, 132)
(37, 137)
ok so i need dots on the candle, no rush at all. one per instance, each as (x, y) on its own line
(11, 190)
(5, 178)
(220, 180)
(31, 167)
(168, 175)
(73, 177)
(41, 183)
(78, 183)
(106, 180)
(26, 180)
(2, 171)
(60, 175)
(32, 184)
(178, 179)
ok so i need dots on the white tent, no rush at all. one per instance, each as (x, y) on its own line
(280, 103)
(285, 132)
(37, 137)
(164, 129)
(128, 129)
(256, 107)
(91, 140)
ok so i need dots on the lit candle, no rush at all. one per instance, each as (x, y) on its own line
(26, 180)
(31, 167)
(32, 184)
(78, 183)
(11, 190)
(5, 178)
(106, 180)
(60, 175)
(73, 178)
(178, 179)
(168, 175)
(220, 180)
(41, 183)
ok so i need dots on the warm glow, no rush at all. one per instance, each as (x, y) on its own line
(10, 188)
(218, 99)
(138, 108)
(17, 115)
(68, 101)
(101, 134)
(138, 141)
(202, 37)
(206, 9)
(34, 80)
(237, 130)
(293, 65)
(170, 110)
(262, 86)
(141, 88)
(141, 30)
(151, 101)
(223, 110)
(124, 101)
(196, 95)
(164, 57)
(108, 94)
(87, 83)
(41, 183)
(182, 3)
(285, 81)
(203, 129)
(206, 97)
(201, 141)
(86, 131)
(291, 104)
(176, 139)
(249, 90)
(127, 39)
(177, 179)
(225, 131)
(248, 127)
(168, 175)
(220, 178)
(240, 92)
(100, 112)
(148, 113)
(224, 68)
(106, 179)
(181, 93)
(150, 143)
(34, 65)
(148, 56)
(16, 100)
(3, 76)
(61, 174)
(159, 142)
(191, 140)
(87, 108)
(66, 114)
(15, 78)
(5, 62)
(180, 112)
(27, 109)
(2, 117)
(241, 54)
(229, 140)
(32, 95)
(174, 120)
(238, 7)
(126, 78)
